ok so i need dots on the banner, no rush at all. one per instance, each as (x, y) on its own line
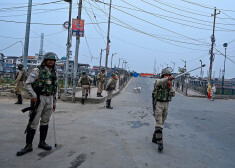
(78, 28)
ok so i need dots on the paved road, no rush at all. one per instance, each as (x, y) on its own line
(198, 133)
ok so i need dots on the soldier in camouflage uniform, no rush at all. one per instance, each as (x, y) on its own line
(42, 87)
(162, 95)
(85, 83)
(20, 79)
(111, 85)
(101, 76)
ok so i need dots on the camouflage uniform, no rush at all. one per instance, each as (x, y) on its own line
(163, 93)
(111, 85)
(41, 85)
(85, 83)
(101, 80)
(20, 79)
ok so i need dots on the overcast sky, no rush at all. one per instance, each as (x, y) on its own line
(141, 31)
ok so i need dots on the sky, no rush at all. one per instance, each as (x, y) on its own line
(142, 32)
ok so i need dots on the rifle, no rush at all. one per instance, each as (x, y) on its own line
(189, 71)
(33, 113)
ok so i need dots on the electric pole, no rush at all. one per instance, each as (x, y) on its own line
(112, 59)
(173, 66)
(68, 47)
(154, 67)
(201, 68)
(212, 46)
(108, 40)
(26, 42)
(225, 47)
(76, 54)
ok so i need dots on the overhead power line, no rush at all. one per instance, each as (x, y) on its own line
(52, 24)
(166, 18)
(169, 41)
(18, 7)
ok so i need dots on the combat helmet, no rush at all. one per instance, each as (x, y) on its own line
(50, 56)
(167, 71)
(103, 69)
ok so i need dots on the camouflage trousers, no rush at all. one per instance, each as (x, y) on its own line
(160, 114)
(18, 88)
(109, 95)
(44, 111)
(100, 87)
(85, 89)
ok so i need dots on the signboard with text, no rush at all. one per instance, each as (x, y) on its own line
(78, 28)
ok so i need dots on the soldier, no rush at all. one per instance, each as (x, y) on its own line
(111, 85)
(20, 79)
(162, 95)
(117, 80)
(42, 87)
(101, 80)
(85, 83)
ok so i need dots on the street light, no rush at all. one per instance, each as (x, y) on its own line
(162, 66)
(112, 59)
(101, 55)
(201, 68)
(225, 47)
(174, 66)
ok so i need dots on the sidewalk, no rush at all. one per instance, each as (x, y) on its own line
(92, 98)
(191, 93)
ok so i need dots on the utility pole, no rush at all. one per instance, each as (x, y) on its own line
(76, 54)
(154, 67)
(201, 68)
(68, 48)
(112, 59)
(173, 66)
(101, 51)
(26, 42)
(108, 40)
(225, 47)
(212, 46)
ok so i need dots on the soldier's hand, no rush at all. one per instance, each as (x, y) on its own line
(34, 101)
(171, 77)
(54, 107)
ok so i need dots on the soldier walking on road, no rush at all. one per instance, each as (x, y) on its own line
(101, 80)
(20, 79)
(42, 87)
(85, 83)
(162, 95)
(111, 85)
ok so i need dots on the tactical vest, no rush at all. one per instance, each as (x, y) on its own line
(85, 80)
(162, 93)
(46, 84)
(112, 85)
(23, 77)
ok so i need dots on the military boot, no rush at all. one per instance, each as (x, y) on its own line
(158, 138)
(43, 134)
(29, 139)
(154, 140)
(86, 96)
(108, 102)
(98, 94)
(83, 101)
(19, 99)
